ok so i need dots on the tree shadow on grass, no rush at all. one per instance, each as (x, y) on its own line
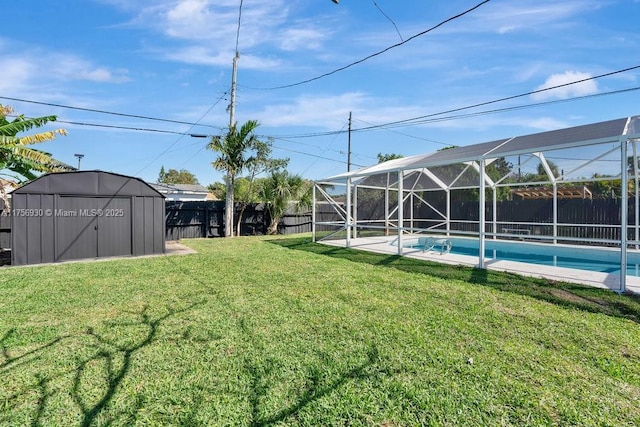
(574, 296)
(114, 374)
(316, 386)
(115, 358)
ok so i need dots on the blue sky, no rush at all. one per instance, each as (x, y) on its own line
(172, 59)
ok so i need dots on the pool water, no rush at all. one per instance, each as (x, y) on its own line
(605, 260)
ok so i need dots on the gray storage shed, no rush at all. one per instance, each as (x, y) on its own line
(85, 214)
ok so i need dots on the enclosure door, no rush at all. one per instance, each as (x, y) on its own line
(92, 227)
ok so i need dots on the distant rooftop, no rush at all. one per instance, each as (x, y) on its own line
(180, 188)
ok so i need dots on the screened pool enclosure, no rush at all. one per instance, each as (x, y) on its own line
(544, 199)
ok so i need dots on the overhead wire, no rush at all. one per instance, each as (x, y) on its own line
(166, 150)
(390, 20)
(406, 134)
(93, 110)
(432, 118)
(324, 151)
(378, 53)
(101, 125)
(313, 155)
(383, 126)
(507, 98)
(494, 111)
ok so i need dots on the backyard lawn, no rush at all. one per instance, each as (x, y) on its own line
(265, 331)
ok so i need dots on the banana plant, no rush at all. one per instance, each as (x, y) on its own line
(17, 159)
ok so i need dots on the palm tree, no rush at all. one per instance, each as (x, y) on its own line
(17, 157)
(234, 149)
(280, 191)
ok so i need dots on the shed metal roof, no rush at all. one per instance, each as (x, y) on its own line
(594, 133)
(88, 183)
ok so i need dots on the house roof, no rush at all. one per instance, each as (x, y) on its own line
(180, 188)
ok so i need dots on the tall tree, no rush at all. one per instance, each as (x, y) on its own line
(282, 190)
(235, 153)
(16, 157)
(173, 176)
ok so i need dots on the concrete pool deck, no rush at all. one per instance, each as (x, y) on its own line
(596, 279)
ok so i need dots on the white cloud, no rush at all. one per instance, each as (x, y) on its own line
(543, 123)
(198, 20)
(213, 21)
(208, 29)
(103, 75)
(294, 39)
(70, 67)
(327, 110)
(587, 87)
(317, 110)
(513, 16)
(29, 67)
(16, 74)
(205, 56)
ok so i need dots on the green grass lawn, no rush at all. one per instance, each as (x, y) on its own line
(280, 331)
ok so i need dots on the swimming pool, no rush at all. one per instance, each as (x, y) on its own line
(605, 260)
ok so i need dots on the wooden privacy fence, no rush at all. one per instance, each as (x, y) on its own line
(579, 218)
(535, 217)
(206, 219)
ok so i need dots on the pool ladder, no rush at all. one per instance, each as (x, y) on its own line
(429, 243)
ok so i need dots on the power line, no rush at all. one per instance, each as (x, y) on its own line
(494, 111)
(390, 20)
(69, 122)
(92, 110)
(431, 118)
(376, 53)
(166, 150)
(408, 135)
(387, 126)
(482, 104)
(323, 151)
(312, 155)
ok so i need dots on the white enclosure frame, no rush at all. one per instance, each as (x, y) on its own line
(615, 137)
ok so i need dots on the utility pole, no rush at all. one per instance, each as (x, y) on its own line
(229, 205)
(349, 146)
(232, 103)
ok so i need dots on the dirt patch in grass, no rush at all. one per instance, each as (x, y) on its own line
(573, 298)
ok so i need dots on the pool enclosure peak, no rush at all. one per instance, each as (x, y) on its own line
(577, 136)
(576, 186)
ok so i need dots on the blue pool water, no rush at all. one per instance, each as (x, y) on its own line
(599, 259)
